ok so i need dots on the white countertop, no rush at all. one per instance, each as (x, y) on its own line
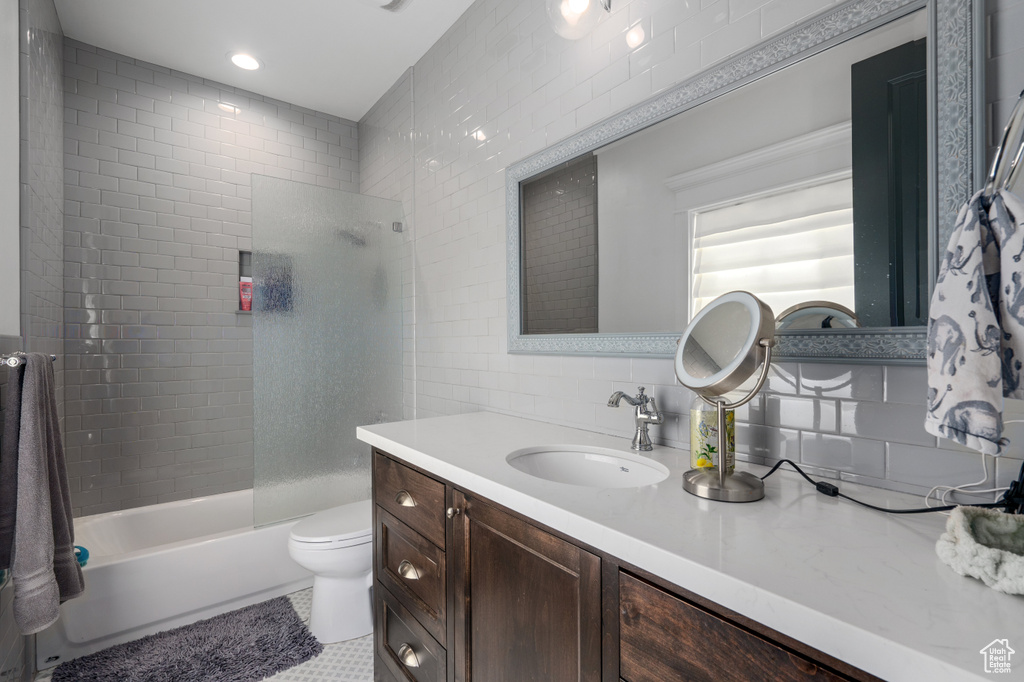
(860, 585)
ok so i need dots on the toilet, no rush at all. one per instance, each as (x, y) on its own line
(336, 546)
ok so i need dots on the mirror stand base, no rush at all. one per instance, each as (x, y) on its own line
(739, 486)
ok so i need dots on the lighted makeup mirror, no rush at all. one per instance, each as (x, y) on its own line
(721, 348)
(817, 315)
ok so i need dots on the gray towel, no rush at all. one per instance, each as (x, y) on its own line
(36, 531)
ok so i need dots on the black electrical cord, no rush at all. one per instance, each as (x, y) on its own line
(832, 490)
(1013, 498)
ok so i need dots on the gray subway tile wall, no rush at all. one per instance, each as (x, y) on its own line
(501, 70)
(42, 184)
(157, 170)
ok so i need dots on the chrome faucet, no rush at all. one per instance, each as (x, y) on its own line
(641, 415)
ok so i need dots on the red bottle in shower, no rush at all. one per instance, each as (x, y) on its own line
(245, 293)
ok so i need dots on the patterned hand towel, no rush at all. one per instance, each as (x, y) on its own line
(39, 548)
(976, 325)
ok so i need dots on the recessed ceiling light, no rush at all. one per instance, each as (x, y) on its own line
(244, 61)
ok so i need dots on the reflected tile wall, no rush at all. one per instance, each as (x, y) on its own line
(501, 70)
(158, 204)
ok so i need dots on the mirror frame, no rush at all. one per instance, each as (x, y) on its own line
(955, 151)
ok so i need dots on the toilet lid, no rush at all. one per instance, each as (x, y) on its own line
(346, 522)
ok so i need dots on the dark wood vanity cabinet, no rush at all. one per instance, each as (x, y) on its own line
(664, 638)
(527, 604)
(467, 591)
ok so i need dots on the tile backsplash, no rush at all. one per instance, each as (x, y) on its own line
(501, 85)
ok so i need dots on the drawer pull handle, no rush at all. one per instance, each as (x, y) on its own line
(453, 512)
(405, 499)
(408, 656)
(408, 571)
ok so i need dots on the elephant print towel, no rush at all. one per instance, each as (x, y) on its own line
(976, 325)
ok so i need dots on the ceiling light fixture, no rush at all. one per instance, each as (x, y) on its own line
(574, 19)
(245, 61)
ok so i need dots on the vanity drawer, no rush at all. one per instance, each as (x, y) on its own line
(414, 570)
(415, 499)
(404, 646)
(666, 639)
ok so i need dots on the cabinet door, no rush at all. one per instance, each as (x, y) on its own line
(666, 639)
(527, 605)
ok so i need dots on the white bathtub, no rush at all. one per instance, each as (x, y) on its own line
(158, 567)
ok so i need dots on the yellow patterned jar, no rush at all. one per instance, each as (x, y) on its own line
(704, 450)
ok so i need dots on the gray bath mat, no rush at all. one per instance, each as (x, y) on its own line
(241, 646)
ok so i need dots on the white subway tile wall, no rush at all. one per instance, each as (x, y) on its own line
(387, 154)
(158, 199)
(1004, 67)
(503, 72)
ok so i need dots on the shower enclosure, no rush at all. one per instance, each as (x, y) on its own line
(327, 341)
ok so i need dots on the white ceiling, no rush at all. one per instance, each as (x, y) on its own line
(334, 56)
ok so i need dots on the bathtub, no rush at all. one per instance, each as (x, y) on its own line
(158, 567)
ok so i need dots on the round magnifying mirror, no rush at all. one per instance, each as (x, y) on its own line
(721, 347)
(817, 315)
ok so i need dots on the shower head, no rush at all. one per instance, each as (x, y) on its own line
(389, 5)
(351, 237)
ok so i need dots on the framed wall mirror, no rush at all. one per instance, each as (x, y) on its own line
(824, 165)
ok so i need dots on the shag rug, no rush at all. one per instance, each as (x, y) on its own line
(248, 644)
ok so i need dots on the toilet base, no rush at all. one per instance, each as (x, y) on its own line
(341, 609)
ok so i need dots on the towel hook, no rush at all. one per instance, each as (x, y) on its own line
(1003, 173)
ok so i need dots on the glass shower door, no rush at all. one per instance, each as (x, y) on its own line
(327, 341)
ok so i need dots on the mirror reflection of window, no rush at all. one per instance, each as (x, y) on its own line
(788, 246)
(797, 191)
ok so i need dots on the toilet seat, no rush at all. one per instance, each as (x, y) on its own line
(344, 526)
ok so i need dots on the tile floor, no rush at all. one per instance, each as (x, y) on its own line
(350, 661)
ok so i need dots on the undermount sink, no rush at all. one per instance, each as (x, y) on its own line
(588, 466)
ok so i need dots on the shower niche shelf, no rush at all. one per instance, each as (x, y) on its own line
(245, 286)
